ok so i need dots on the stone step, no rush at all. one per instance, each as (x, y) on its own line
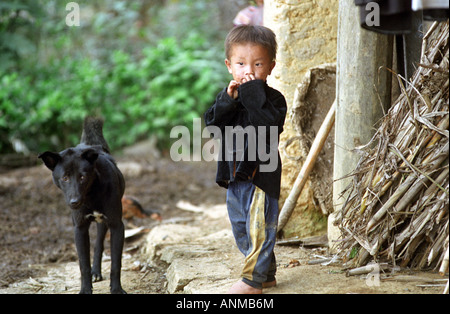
(202, 257)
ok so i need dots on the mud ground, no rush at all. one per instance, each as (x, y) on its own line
(38, 253)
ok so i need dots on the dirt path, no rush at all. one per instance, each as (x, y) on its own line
(191, 251)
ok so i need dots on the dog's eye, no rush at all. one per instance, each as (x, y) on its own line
(65, 179)
(82, 178)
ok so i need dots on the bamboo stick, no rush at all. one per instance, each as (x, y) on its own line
(390, 203)
(308, 165)
(414, 242)
(366, 269)
(436, 248)
(405, 186)
(444, 265)
(429, 141)
(398, 201)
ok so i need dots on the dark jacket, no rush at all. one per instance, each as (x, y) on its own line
(257, 105)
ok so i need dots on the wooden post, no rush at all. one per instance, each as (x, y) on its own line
(362, 94)
(308, 165)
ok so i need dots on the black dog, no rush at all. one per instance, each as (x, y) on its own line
(93, 187)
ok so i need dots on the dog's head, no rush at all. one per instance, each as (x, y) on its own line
(73, 172)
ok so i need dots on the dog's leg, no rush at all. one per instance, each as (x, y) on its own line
(98, 252)
(117, 240)
(82, 244)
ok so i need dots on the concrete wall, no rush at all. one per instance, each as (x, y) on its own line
(306, 31)
(363, 92)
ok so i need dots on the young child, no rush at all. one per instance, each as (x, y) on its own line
(252, 196)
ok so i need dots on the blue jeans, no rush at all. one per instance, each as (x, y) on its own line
(254, 218)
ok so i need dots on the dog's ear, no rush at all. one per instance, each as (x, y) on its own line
(90, 155)
(50, 159)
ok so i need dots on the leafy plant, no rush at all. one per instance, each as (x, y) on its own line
(173, 83)
(124, 63)
(17, 34)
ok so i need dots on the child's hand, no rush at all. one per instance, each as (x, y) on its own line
(232, 89)
(248, 77)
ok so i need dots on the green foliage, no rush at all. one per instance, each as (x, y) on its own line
(144, 66)
(170, 85)
(354, 252)
(16, 31)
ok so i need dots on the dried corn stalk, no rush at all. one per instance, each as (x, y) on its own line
(397, 208)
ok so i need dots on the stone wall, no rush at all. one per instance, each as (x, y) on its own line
(307, 35)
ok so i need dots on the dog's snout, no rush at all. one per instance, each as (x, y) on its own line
(75, 202)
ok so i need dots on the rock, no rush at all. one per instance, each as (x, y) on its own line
(179, 274)
(186, 251)
(169, 234)
(207, 286)
(130, 169)
(207, 271)
(146, 148)
(201, 257)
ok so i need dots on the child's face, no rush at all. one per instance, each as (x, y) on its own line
(249, 59)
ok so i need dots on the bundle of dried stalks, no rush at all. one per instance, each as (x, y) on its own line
(397, 205)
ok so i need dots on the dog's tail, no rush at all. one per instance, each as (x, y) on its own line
(93, 133)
